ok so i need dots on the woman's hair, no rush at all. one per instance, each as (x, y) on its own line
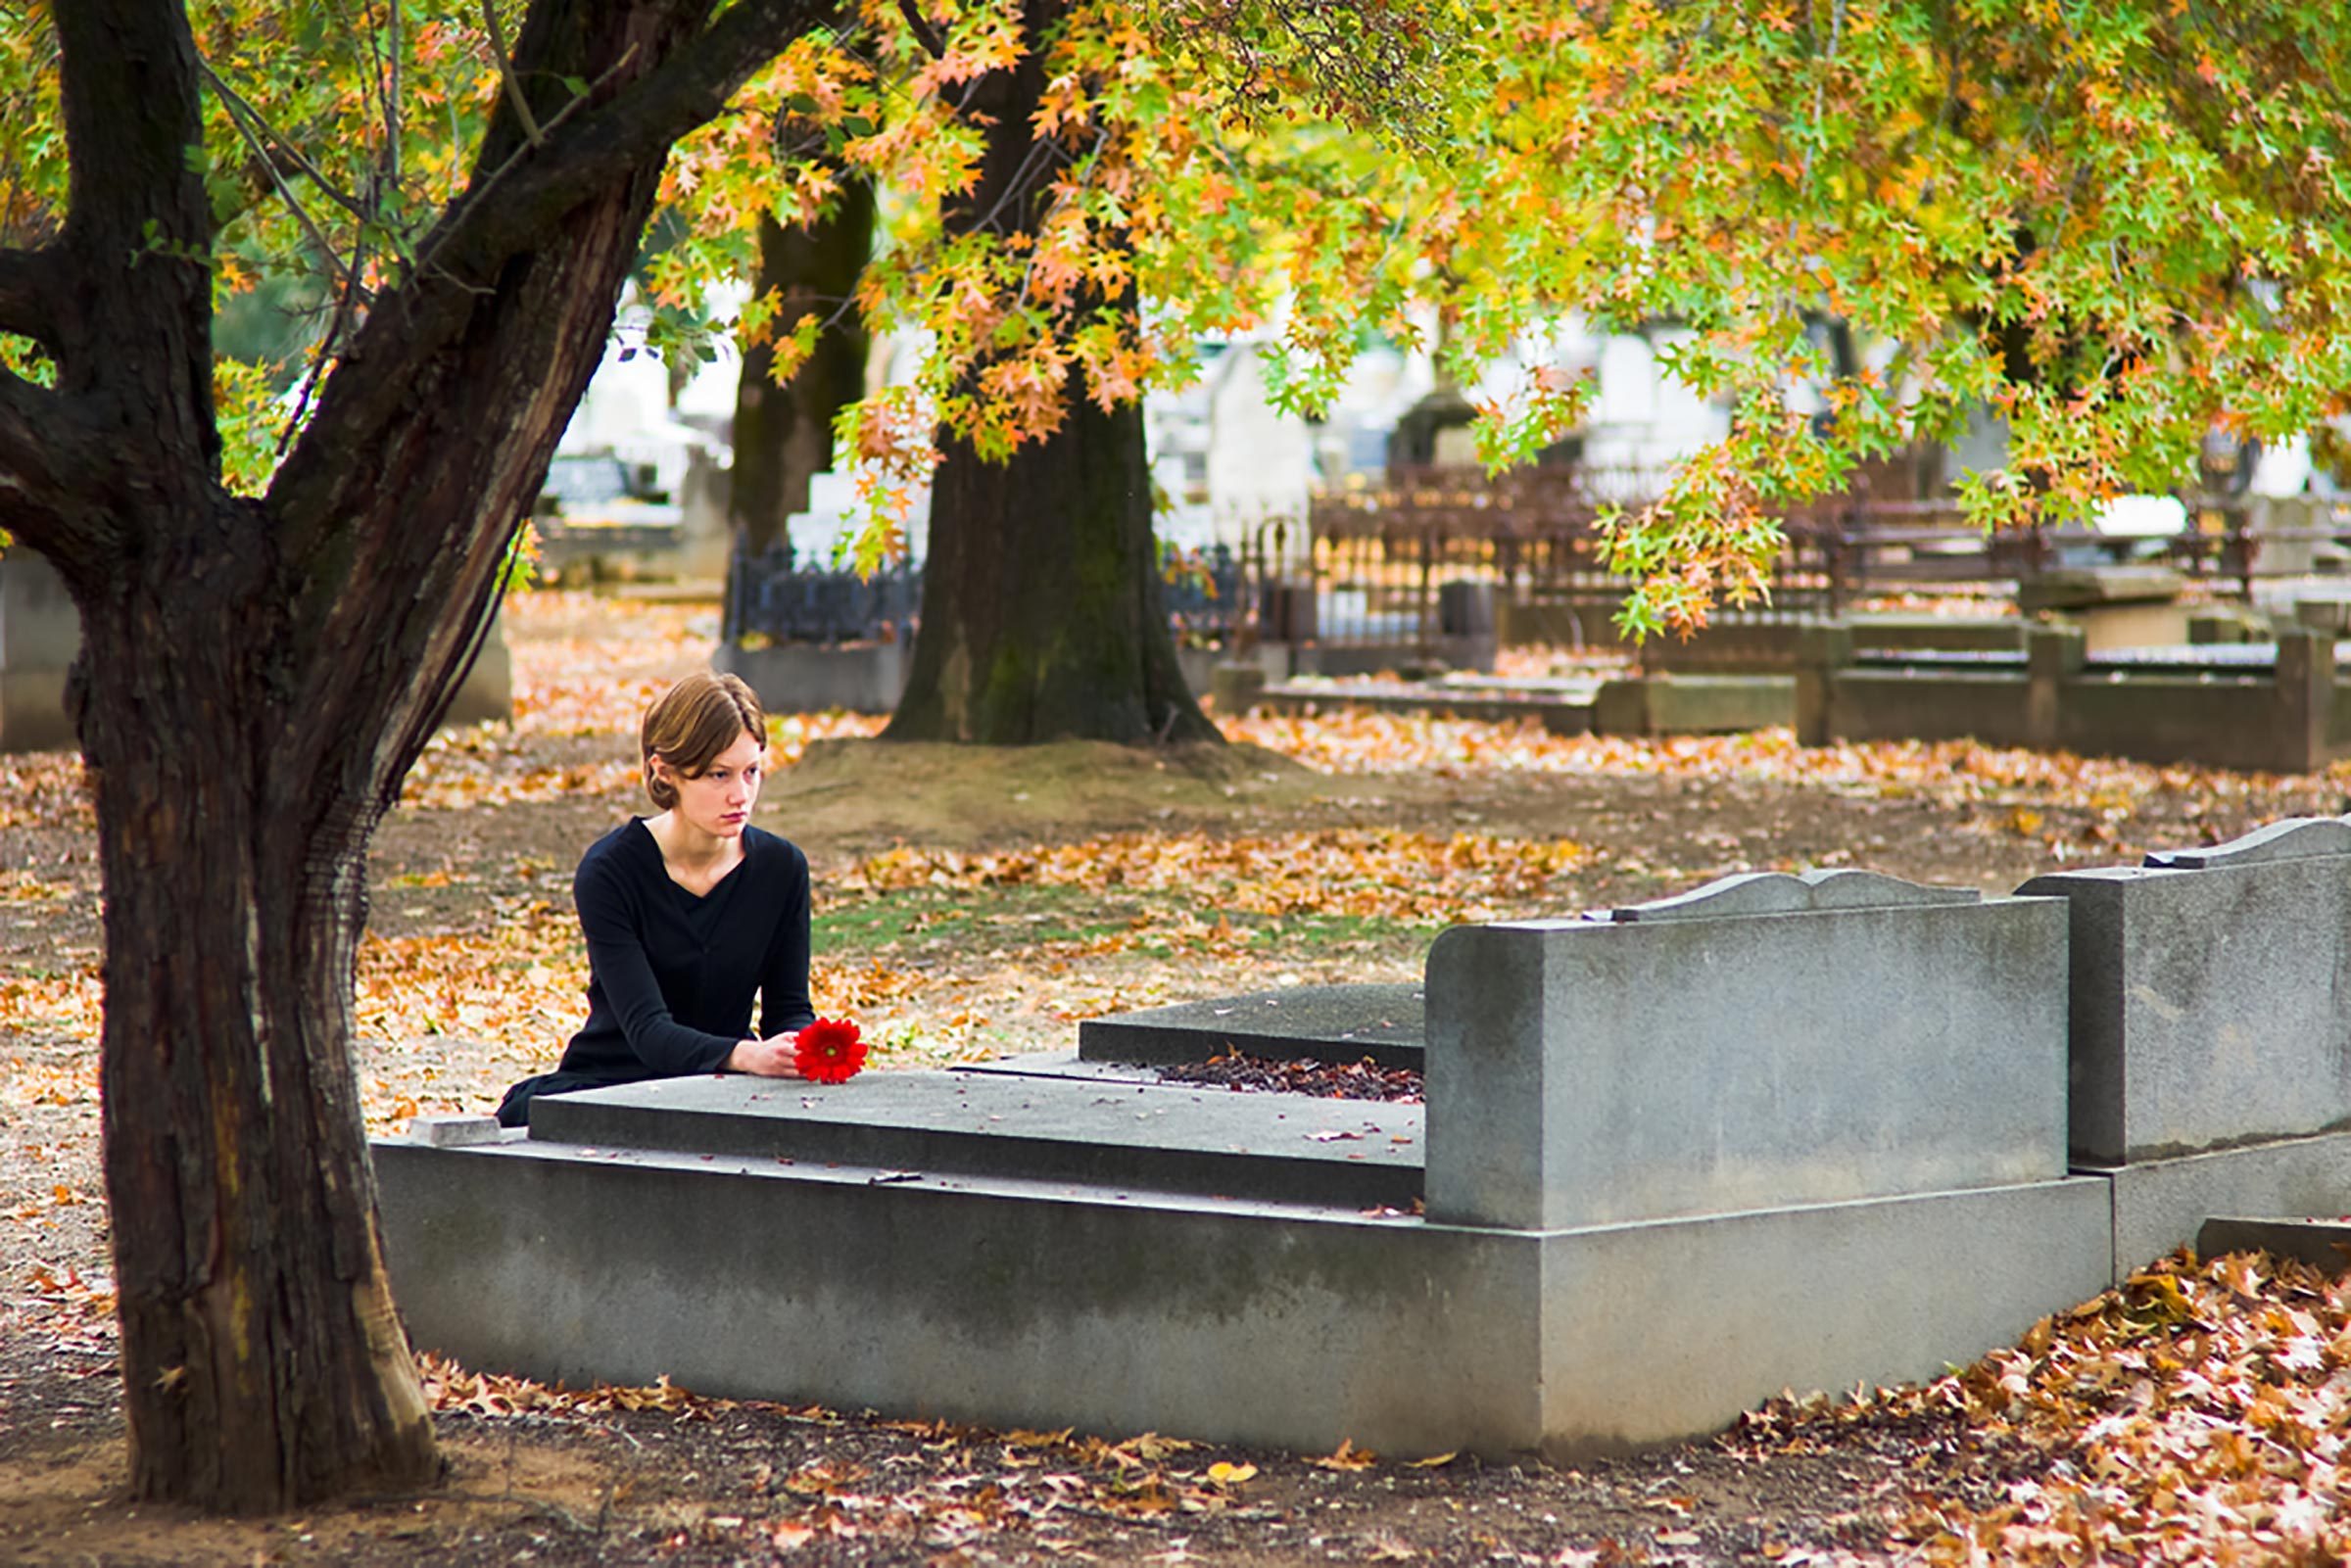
(689, 725)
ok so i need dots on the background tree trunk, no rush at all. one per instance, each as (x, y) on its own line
(783, 435)
(1043, 616)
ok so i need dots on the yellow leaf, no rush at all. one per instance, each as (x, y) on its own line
(1434, 1460)
(1347, 1457)
(1229, 1474)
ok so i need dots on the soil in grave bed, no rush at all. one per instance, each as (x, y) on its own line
(1359, 1080)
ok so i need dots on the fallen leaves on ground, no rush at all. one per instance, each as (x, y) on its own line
(1373, 872)
(976, 1481)
(2200, 1413)
(589, 664)
(1353, 740)
(44, 789)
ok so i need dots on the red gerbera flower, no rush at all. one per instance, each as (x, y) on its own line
(828, 1050)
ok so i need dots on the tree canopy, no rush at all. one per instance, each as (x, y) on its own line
(2113, 226)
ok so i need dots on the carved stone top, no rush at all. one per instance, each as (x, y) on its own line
(2294, 838)
(1771, 892)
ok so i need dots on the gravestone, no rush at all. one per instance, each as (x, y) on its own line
(2207, 995)
(1094, 1131)
(1765, 1040)
(40, 632)
(40, 636)
(1783, 1131)
(2211, 1054)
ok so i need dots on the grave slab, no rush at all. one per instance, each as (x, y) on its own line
(1694, 704)
(2206, 994)
(1336, 1023)
(1171, 1138)
(1060, 1064)
(2320, 1243)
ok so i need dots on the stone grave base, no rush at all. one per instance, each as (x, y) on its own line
(2159, 1203)
(2323, 1244)
(1804, 1131)
(1043, 1243)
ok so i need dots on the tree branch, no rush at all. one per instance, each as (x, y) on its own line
(138, 229)
(506, 74)
(53, 477)
(603, 143)
(924, 33)
(28, 304)
(238, 110)
(269, 144)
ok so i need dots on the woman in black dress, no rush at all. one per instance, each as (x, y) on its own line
(690, 915)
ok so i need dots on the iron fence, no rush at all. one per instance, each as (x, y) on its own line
(768, 596)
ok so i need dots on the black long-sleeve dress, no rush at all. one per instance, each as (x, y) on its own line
(672, 976)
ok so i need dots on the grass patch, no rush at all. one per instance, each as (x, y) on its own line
(999, 920)
(984, 918)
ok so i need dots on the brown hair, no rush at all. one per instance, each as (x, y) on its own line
(689, 725)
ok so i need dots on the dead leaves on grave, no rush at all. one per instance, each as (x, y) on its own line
(2201, 1413)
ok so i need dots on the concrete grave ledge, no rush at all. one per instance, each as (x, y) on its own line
(1143, 1136)
(2320, 1243)
(1341, 1025)
(1018, 1302)
(2160, 1205)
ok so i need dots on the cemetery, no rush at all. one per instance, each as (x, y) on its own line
(1224, 1248)
(1579, 772)
(1895, 1122)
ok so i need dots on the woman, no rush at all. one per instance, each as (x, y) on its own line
(689, 915)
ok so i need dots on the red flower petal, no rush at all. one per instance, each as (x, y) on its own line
(828, 1050)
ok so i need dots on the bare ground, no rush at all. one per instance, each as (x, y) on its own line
(956, 916)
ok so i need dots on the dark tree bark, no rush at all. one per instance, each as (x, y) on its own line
(783, 435)
(258, 675)
(1041, 609)
(1043, 616)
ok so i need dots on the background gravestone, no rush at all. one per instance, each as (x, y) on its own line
(40, 633)
(2210, 995)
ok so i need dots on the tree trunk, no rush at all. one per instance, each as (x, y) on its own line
(783, 435)
(258, 675)
(263, 1365)
(1043, 616)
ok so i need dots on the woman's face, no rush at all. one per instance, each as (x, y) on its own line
(718, 800)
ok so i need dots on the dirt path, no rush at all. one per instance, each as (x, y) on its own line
(975, 903)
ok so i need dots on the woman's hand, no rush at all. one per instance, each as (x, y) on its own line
(766, 1059)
